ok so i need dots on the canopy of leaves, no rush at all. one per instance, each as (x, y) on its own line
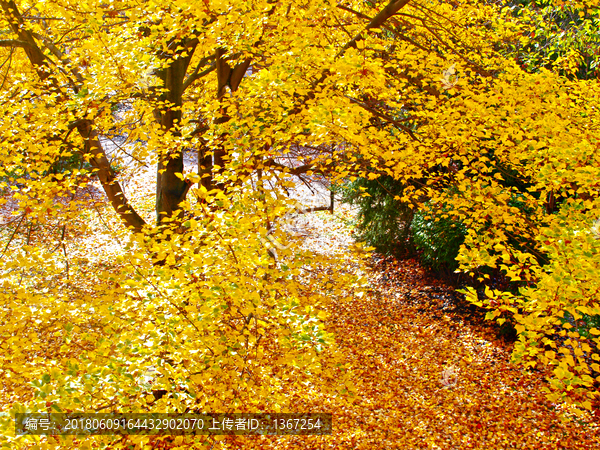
(563, 36)
(196, 313)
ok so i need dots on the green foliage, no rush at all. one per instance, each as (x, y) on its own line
(583, 324)
(383, 221)
(68, 163)
(565, 38)
(438, 237)
(392, 226)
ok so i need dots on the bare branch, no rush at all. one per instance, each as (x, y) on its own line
(305, 168)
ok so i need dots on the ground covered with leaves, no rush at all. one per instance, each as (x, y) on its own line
(423, 369)
(427, 371)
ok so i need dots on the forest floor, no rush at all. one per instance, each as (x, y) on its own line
(427, 371)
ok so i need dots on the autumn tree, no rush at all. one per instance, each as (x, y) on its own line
(193, 312)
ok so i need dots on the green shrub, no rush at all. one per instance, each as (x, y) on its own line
(67, 164)
(438, 237)
(383, 221)
(392, 226)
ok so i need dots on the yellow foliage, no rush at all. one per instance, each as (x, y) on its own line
(197, 306)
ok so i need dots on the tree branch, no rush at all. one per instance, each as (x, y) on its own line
(60, 55)
(12, 43)
(385, 117)
(196, 74)
(392, 8)
(93, 146)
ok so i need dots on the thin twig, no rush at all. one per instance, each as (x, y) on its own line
(13, 235)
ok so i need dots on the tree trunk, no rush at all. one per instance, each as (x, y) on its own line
(107, 178)
(231, 78)
(170, 189)
(85, 128)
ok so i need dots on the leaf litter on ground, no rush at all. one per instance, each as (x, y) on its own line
(428, 371)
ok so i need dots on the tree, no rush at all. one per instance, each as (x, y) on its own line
(564, 37)
(196, 304)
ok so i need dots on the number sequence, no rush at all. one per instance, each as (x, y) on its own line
(88, 424)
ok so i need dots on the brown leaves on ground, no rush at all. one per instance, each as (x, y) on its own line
(425, 379)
